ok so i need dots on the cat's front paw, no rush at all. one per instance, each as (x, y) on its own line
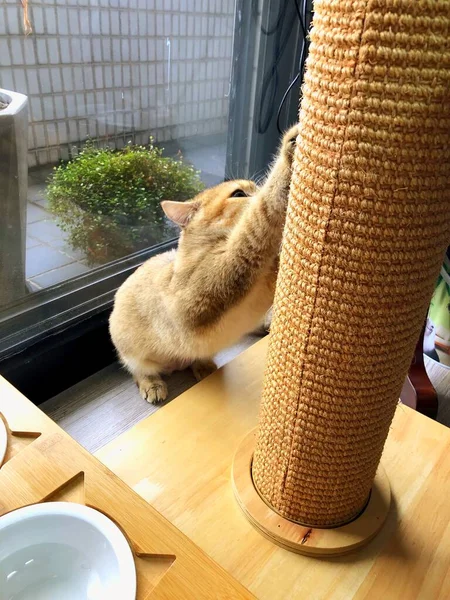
(289, 141)
(268, 319)
(152, 389)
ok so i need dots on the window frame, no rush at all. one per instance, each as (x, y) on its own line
(63, 335)
(56, 337)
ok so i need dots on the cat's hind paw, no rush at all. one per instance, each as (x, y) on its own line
(203, 368)
(152, 389)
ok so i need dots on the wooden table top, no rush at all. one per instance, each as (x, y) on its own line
(43, 464)
(179, 459)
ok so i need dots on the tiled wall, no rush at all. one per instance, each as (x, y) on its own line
(101, 69)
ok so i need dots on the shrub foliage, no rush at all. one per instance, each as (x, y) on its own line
(108, 201)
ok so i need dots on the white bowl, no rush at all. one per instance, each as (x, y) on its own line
(64, 551)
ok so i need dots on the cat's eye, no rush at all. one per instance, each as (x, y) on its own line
(239, 194)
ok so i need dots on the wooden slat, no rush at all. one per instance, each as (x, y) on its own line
(110, 397)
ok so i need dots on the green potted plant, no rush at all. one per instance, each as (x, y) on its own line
(108, 201)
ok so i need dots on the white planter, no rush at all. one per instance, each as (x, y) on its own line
(13, 195)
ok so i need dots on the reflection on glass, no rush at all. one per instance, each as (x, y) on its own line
(116, 72)
(108, 201)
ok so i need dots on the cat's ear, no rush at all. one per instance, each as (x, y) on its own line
(179, 212)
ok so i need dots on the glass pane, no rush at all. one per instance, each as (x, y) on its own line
(108, 107)
(102, 78)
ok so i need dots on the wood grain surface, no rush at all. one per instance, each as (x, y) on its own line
(44, 464)
(180, 460)
(98, 409)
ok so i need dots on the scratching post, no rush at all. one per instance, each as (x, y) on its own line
(366, 229)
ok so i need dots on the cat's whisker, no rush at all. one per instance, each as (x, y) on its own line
(256, 177)
(262, 177)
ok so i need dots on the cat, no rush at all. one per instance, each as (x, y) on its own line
(183, 306)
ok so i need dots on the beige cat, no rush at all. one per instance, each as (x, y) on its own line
(181, 307)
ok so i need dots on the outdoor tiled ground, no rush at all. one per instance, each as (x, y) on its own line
(50, 259)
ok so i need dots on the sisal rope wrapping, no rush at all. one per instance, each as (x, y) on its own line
(366, 230)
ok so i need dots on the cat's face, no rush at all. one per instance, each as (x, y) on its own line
(214, 211)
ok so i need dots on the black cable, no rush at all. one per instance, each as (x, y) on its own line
(303, 55)
(302, 19)
(283, 100)
(270, 80)
(277, 24)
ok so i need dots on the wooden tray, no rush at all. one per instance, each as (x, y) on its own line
(42, 464)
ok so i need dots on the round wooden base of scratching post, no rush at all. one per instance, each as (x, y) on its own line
(299, 538)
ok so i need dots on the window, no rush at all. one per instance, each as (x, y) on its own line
(106, 108)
